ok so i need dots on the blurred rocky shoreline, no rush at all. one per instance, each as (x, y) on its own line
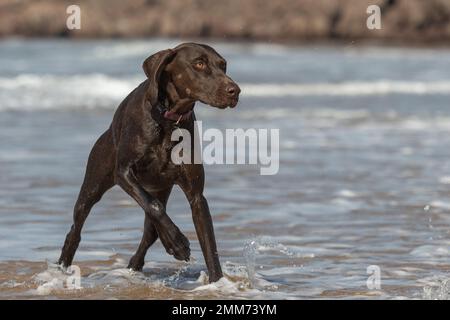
(405, 21)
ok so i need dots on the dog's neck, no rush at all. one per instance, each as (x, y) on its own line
(175, 108)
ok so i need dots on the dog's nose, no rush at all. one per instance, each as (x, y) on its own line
(233, 90)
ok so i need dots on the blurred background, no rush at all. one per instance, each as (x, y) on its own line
(364, 125)
(282, 20)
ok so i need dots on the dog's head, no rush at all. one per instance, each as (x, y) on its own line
(195, 71)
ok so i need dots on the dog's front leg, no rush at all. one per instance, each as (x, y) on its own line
(205, 233)
(171, 237)
(192, 183)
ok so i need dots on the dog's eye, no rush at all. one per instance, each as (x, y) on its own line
(200, 65)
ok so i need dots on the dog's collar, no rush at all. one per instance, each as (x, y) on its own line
(173, 116)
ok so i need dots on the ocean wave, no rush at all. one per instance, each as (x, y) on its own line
(382, 87)
(37, 92)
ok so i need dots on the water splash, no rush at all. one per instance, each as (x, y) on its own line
(430, 220)
(440, 291)
(54, 278)
(175, 279)
(254, 247)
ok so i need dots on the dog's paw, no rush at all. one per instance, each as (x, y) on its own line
(136, 263)
(176, 244)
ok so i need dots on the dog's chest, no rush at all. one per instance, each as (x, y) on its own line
(156, 169)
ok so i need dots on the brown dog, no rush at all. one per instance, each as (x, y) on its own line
(135, 152)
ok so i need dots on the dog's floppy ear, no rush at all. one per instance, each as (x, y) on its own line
(153, 67)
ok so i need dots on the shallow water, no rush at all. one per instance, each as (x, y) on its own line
(364, 175)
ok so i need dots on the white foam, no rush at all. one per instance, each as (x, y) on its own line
(223, 285)
(226, 286)
(54, 278)
(62, 92)
(347, 193)
(430, 251)
(370, 88)
(436, 288)
(440, 204)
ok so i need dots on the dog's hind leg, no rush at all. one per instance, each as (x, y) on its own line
(150, 234)
(98, 179)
